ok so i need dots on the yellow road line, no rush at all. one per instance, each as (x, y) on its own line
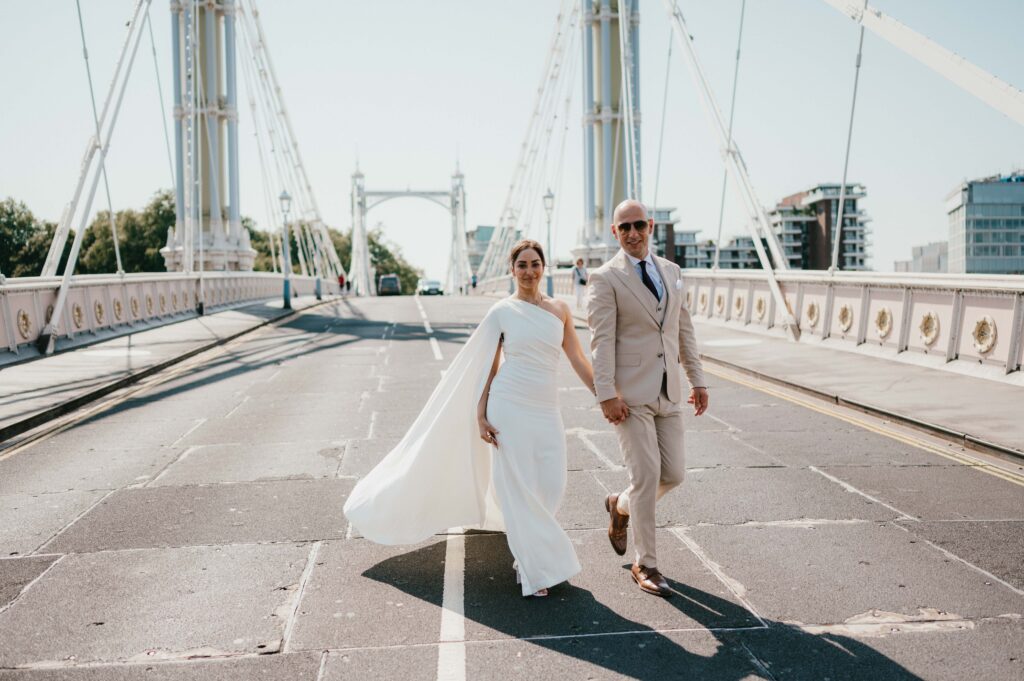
(961, 458)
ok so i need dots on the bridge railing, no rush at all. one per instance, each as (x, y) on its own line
(968, 323)
(106, 305)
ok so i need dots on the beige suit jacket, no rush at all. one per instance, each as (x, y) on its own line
(635, 339)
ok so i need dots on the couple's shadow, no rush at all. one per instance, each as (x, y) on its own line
(715, 638)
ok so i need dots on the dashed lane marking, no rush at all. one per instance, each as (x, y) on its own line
(451, 653)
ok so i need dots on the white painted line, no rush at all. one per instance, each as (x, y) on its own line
(78, 517)
(235, 408)
(850, 488)
(426, 326)
(30, 584)
(323, 665)
(724, 423)
(451, 653)
(436, 348)
(168, 466)
(373, 422)
(737, 589)
(582, 434)
(188, 432)
(298, 594)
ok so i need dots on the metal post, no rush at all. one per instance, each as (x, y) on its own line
(606, 119)
(286, 250)
(549, 205)
(231, 112)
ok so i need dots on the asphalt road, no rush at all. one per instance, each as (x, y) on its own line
(195, 531)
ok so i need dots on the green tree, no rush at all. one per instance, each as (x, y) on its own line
(140, 237)
(17, 226)
(387, 258)
(33, 254)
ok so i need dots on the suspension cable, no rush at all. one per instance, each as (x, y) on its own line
(664, 110)
(99, 142)
(728, 142)
(160, 92)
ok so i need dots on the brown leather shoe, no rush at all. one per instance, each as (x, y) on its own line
(650, 581)
(617, 523)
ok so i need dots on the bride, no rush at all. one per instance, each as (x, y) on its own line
(505, 469)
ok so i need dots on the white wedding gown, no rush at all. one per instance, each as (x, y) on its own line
(442, 475)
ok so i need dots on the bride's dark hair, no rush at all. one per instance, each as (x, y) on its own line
(523, 245)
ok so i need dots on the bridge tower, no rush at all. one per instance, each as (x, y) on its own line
(208, 233)
(611, 120)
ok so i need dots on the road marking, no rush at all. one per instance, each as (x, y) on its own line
(582, 434)
(451, 653)
(436, 348)
(188, 432)
(960, 457)
(235, 408)
(850, 488)
(166, 468)
(77, 518)
(28, 586)
(306, 572)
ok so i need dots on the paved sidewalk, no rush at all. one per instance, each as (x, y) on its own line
(35, 392)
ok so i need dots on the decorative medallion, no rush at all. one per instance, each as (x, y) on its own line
(845, 317)
(134, 304)
(812, 314)
(759, 307)
(984, 334)
(883, 322)
(49, 313)
(77, 315)
(174, 300)
(929, 328)
(98, 311)
(24, 324)
(118, 309)
(703, 301)
(738, 305)
(163, 304)
(689, 299)
(719, 303)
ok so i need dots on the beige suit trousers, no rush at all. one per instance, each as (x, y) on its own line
(651, 439)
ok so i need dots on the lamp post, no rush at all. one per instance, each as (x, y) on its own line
(286, 204)
(549, 205)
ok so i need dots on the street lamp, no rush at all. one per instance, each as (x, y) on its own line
(549, 205)
(286, 204)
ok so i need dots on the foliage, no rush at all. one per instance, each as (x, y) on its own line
(140, 237)
(25, 241)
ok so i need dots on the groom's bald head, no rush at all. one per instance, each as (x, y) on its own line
(629, 210)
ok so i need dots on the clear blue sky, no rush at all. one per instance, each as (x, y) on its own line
(405, 84)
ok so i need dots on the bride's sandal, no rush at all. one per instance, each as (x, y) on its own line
(519, 580)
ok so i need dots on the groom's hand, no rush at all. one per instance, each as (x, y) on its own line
(615, 410)
(699, 400)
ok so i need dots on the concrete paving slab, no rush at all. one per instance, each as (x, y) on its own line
(580, 456)
(680, 655)
(29, 520)
(716, 448)
(135, 606)
(98, 434)
(364, 594)
(408, 400)
(728, 496)
(769, 416)
(966, 493)
(362, 455)
(602, 599)
(17, 573)
(989, 650)
(278, 428)
(409, 664)
(39, 470)
(583, 504)
(840, 448)
(253, 462)
(997, 547)
(828, 574)
(211, 514)
(392, 423)
(588, 418)
(287, 667)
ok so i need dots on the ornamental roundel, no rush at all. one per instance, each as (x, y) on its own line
(929, 328)
(134, 304)
(883, 322)
(703, 301)
(149, 304)
(49, 313)
(738, 305)
(812, 314)
(759, 307)
(719, 303)
(689, 298)
(984, 334)
(24, 324)
(163, 303)
(845, 317)
(98, 311)
(118, 309)
(77, 315)
(174, 300)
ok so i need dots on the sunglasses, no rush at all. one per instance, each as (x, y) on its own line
(638, 225)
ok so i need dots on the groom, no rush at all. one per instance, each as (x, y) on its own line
(640, 333)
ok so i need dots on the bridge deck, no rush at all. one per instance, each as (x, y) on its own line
(194, 530)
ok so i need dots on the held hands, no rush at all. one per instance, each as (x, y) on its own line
(615, 410)
(488, 433)
(699, 399)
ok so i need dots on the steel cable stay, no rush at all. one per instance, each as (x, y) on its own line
(732, 112)
(160, 93)
(664, 109)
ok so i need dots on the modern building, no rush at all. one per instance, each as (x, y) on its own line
(933, 257)
(986, 225)
(477, 241)
(805, 225)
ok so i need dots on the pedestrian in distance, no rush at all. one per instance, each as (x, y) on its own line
(579, 282)
(640, 334)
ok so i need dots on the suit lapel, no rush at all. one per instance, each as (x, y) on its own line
(624, 268)
(669, 286)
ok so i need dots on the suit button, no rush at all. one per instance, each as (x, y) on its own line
(660, 354)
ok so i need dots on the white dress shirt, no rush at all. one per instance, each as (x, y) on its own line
(652, 272)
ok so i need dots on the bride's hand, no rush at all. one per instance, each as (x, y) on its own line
(488, 433)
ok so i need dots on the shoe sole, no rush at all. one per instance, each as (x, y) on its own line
(615, 548)
(653, 592)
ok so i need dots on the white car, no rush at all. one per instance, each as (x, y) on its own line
(429, 287)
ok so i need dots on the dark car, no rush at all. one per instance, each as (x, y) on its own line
(429, 287)
(389, 285)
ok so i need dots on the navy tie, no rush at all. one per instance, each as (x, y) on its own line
(648, 282)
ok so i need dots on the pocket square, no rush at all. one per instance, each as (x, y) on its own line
(679, 284)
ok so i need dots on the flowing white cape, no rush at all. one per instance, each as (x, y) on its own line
(439, 475)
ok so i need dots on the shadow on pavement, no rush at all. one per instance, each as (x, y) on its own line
(572, 622)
